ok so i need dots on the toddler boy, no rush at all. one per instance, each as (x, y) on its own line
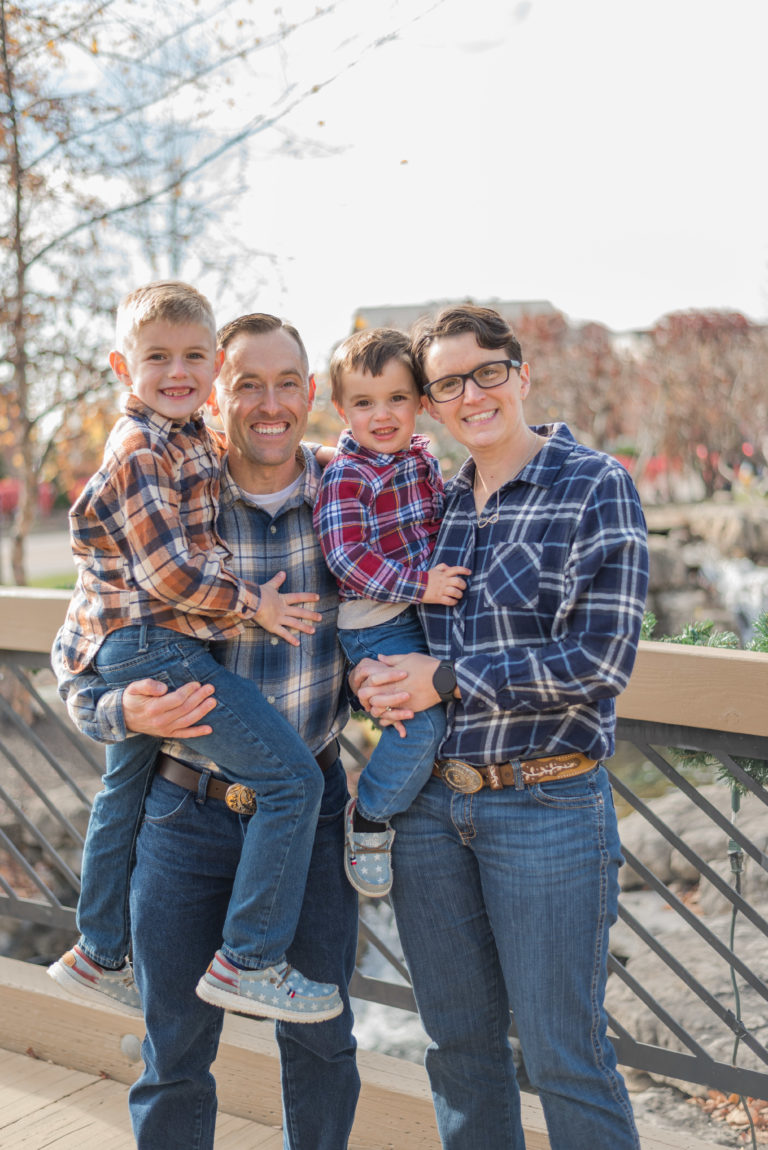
(377, 517)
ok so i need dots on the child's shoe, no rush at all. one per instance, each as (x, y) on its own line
(275, 992)
(83, 978)
(367, 856)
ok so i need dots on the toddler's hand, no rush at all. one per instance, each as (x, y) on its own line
(278, 612)
(445, 584)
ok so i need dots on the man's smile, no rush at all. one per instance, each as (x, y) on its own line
(269, 428)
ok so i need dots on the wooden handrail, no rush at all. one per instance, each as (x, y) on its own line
(719, 690)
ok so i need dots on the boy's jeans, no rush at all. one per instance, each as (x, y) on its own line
(398, 768)
(187, 858)
(252, 744)
(504, 899)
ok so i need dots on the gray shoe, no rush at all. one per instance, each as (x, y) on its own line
(275, 992)
(367, 857)
(83, 978)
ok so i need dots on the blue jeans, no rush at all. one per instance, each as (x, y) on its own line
(251, 743)
(187, 857)
(398, 768)
(504, 900)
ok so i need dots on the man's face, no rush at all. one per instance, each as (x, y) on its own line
(486, 421)
(263, 396)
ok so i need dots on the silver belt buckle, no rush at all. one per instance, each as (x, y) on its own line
(241, 799)
(461, 776)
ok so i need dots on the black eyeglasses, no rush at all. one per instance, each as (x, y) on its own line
(487, 375)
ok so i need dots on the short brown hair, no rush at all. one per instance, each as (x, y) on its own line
(260, 323)
(169, 300)
(489, 328)
(369, 350)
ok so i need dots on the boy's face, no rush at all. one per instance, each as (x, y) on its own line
(170, 367)
(381, 409)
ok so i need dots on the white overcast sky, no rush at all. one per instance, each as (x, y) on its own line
(607, 155)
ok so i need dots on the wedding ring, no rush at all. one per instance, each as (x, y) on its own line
(386, 709)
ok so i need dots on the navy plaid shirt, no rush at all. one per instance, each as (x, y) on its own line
(304, 683)
(546, 633)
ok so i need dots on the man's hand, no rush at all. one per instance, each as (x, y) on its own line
(445, 584)
(277, 612)
(150, 709)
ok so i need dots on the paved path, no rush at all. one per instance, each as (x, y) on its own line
(48, 553)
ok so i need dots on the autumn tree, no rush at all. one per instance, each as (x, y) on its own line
(706, 373)
(112, 115)
(580, 377)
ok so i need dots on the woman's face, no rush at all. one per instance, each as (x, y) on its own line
(486, 421)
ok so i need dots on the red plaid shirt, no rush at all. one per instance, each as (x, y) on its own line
(377, 518)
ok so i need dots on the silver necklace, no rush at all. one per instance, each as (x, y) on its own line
(484, 520)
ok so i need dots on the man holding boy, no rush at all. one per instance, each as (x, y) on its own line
(189, 845)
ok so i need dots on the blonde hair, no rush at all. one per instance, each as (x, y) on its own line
(169, 300)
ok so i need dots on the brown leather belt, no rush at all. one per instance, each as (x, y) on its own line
(466, 778)
(238, 797)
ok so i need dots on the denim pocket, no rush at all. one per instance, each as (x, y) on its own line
(581, 791)
(165, 802)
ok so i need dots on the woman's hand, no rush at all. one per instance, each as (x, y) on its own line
(393, 687)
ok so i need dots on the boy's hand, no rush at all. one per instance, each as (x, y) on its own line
(445, 584)
(324, 454)
(278, 612)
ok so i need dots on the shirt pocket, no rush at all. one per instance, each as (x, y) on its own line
(514, 576)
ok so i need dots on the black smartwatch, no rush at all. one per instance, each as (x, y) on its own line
(444, 680)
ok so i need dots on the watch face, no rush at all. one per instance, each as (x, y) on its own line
(444, 681)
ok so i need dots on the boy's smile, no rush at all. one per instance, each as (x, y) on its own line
(170, 367)
(381, 409)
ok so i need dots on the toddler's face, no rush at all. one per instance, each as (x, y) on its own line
(381, 409)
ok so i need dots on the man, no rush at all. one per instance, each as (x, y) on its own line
(189, 844)
(505, 867)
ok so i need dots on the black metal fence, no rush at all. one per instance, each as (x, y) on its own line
(49, 774)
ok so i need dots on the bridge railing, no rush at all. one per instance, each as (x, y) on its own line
(705, 700)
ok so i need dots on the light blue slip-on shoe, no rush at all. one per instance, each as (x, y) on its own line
(275, 992)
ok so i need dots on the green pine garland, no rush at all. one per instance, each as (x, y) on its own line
(703, 634)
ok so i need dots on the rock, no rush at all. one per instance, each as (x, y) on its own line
(754, 888)
(693, 953)
(693, 825)
(684, 1005)
(667, 568)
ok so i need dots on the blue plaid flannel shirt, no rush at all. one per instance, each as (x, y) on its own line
(546, 633)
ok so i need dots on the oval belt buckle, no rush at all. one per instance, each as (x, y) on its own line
(461, 777)
(240, 799)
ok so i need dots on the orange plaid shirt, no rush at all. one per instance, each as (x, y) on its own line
(144, 539)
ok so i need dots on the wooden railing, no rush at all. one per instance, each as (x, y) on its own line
(705, 698)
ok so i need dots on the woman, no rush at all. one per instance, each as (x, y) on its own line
(505, 867)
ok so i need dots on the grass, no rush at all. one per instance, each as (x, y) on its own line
(63, 582)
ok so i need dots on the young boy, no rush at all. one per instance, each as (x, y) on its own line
(152, 591)
(377, 517)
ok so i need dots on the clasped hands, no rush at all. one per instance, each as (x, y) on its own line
(393, 688)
